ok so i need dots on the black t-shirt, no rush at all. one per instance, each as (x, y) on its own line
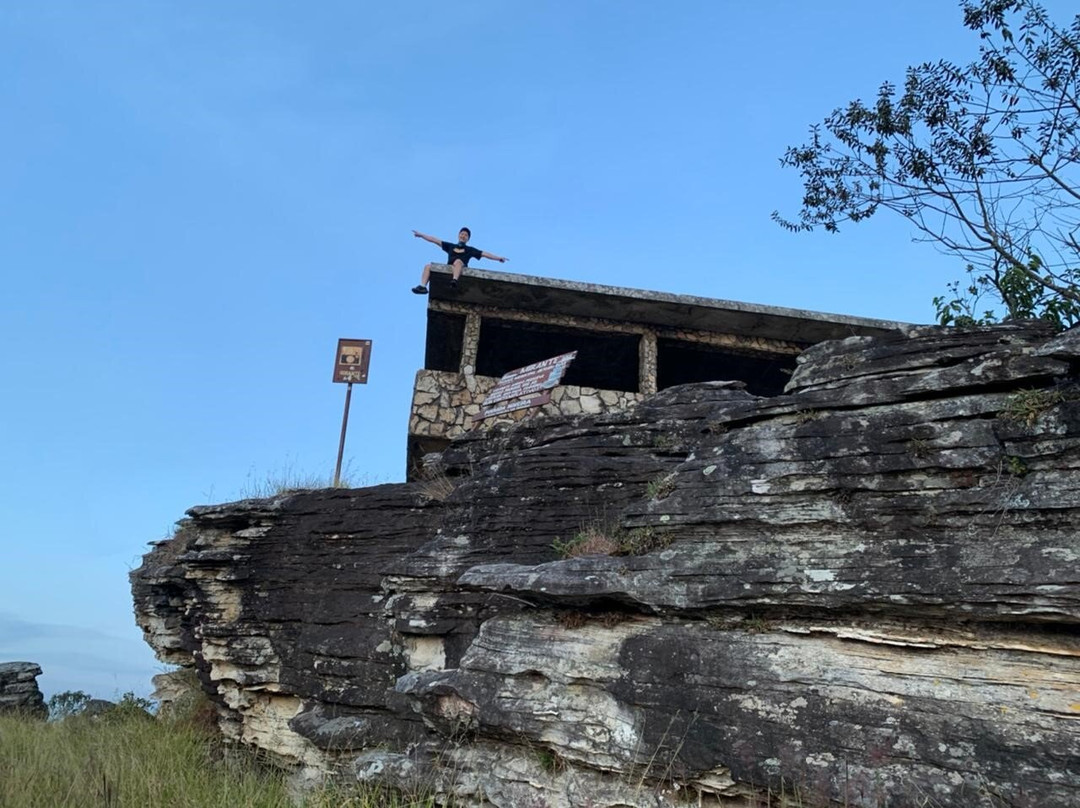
(462, 251)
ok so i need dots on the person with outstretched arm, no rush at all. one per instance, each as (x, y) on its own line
(457, 256)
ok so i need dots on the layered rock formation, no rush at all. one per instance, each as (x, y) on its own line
(865, 590)
(19, 692)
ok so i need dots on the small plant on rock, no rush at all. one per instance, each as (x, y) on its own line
(571, 619)
(642, 540)
(612, 619)
(920, 448)
(290, 479)
(436, 485)
(1028, 406)
(550, 761)
(1016, 466)
(598, 538)
(664, 442)
(660, 487)
(592, 539)
(756, 624)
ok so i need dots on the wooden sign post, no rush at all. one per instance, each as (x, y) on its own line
(350, 365)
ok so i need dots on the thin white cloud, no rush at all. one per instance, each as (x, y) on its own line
(78, 658)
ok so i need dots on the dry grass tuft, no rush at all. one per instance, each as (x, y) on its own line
(1028, 406)
(436, 485)
(598, 538)
(592, 539)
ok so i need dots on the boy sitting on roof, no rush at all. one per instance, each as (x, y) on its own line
(457, 255)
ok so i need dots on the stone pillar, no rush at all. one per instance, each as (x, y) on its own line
(19, 691)
(647, 363)
(469, 343)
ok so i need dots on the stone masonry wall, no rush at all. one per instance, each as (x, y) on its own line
(444, 404)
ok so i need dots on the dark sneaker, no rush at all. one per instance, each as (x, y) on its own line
(419, 290)
(453, 283)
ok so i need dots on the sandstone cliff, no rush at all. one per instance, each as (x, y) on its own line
(866, 587)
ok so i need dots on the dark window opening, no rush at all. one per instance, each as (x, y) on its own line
(684, 362)
(606, 361)
(445, 336)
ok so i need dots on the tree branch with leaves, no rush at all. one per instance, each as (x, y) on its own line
(983, 160)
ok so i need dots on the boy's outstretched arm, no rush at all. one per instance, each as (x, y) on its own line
(426, 237)
(493, 257)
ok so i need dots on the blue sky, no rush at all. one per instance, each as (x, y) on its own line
(198, 199)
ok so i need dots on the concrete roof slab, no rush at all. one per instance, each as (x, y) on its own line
(507, 290)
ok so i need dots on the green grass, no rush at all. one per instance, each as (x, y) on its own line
(126, 762)
(132, 761)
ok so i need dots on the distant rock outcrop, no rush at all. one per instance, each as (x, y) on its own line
(866, 588)
(19, 691)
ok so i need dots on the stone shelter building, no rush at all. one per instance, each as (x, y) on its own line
(629, 343)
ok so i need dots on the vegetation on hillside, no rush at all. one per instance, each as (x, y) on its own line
(123, 758)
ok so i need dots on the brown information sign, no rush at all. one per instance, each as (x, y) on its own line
(351, 364)
(529, 386)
